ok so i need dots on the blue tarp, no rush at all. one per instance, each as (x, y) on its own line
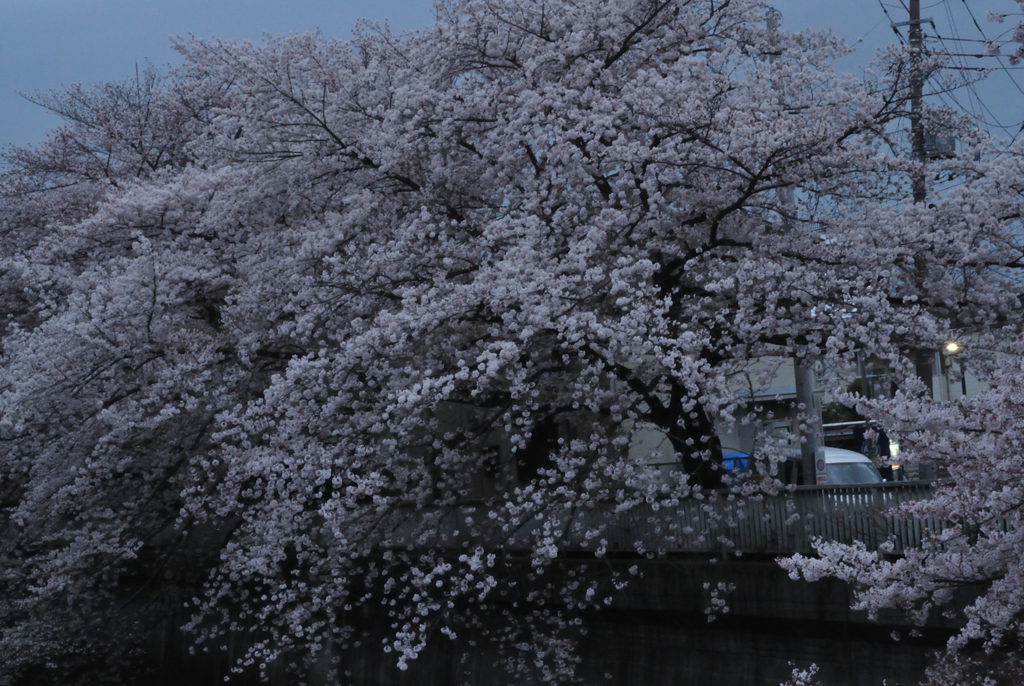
(735, 462)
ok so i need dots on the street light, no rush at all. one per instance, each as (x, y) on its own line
(952, 348)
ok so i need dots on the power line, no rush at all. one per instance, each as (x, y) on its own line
(992, 121)
(891, 22)
(957, 50)
(957, 56)
(966, 54)
(972, 92)
(973, 18)
(978, 26)
(869, 31)
(972, 40)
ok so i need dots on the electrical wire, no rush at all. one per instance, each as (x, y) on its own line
(1003, 66)
(972, 92)
(967, 54)
(870, 31)
(891, 22)
(956, 48)
(975, 40)
(975, 106)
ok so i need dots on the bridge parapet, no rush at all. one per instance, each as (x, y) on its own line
(717, 522)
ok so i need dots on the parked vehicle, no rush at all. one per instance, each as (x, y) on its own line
(842, 468)
(845, 467)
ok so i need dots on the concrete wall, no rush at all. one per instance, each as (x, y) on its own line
(656, 633)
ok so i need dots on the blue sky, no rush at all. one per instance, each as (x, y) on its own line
(47, 44)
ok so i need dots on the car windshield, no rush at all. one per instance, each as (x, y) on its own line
(843, 473)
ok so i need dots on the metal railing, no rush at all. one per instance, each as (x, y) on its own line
(719, 522)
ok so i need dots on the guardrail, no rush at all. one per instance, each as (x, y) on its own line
(787, 523)
(718, 522)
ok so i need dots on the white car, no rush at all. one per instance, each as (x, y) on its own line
(842, 468)
(845, 467)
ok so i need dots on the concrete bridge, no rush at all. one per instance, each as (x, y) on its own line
(714, 523)
(656, 632)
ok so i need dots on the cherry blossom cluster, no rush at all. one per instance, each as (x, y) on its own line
(969, 568)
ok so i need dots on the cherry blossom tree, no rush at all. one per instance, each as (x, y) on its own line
(275, 318)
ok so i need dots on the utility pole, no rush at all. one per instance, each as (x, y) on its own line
(808, 419)
(809, 425)
(870, 446)
(925, 362)
(916, 98)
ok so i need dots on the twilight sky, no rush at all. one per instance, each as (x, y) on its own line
(46, 44)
